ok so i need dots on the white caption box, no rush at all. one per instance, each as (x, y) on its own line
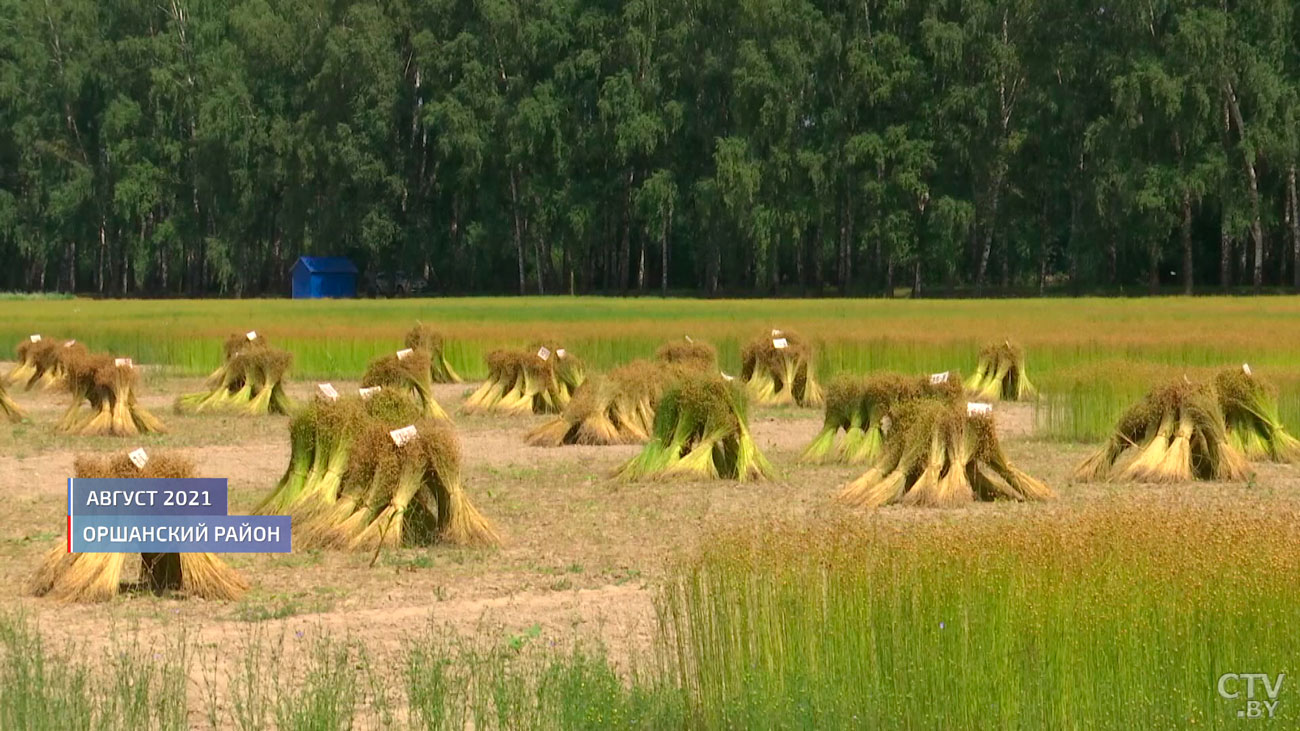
(123, 363)
(544, 353)
(368, 392)
(937, 378)
(402, 437)
(780, 343)
(139, 458)
(328, 391)
(251, 335)
(35, 338)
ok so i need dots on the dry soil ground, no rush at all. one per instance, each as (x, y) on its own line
(581, 557)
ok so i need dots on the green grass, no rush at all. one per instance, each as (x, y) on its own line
(125, 687)
(1101, 617)
(1090, 356)
(1104, 619)
(259, 606)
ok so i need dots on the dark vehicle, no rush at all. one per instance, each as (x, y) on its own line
(395, 284)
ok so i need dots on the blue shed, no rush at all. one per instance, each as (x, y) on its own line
(315, 277)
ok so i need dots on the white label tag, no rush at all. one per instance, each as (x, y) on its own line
(404, 435)
(35, 338)
(70, 343)
(885, 424)
(251, 335)
(776, 333)
(779, 343)
(123, 363)
(726, 377)
(975, 409)
(368, 392)
(328, 391)
(404, 354)
(139, 458)
(937, 378)
(559, 353)
(688, 339)
(1245, 368)
(544, 353)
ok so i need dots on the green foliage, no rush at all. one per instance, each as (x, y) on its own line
(1009, 621)
(127, 687)
(747, 146)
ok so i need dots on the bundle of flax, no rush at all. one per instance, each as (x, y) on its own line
(859, 407)
(937, 454)
(688, 353)
(701, 429)
(540, 380)
(1176, 434)
(618, 408)
(778, 370)
(9, 410)
(430, 342)
(107, 385)
(93, 577)
(373, 472)
(1000, 374)
(406, 371)
(1250, 414)
(250, 381)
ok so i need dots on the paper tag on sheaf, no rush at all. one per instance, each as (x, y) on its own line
(404, 354)
(544, 353)
(404, 435)
(123, 363)
(779, 343)
(885, 424)
(35, 338)
(70, 343)
(1245, 368)
(139, 458)
(560, 353)
(328, 391)
(251, 335)
(937, 378)
(368, 392)
(977, 409)
(688, 339)
(726, 377)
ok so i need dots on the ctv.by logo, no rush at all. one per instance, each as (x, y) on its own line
(1230, 688)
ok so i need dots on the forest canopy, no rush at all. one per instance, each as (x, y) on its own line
(198, 147)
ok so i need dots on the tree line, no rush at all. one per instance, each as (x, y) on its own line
(171, 147)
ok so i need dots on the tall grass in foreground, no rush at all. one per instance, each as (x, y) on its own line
(1113, 617)
(125, 688)
(1108, 618)
(311, 682)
